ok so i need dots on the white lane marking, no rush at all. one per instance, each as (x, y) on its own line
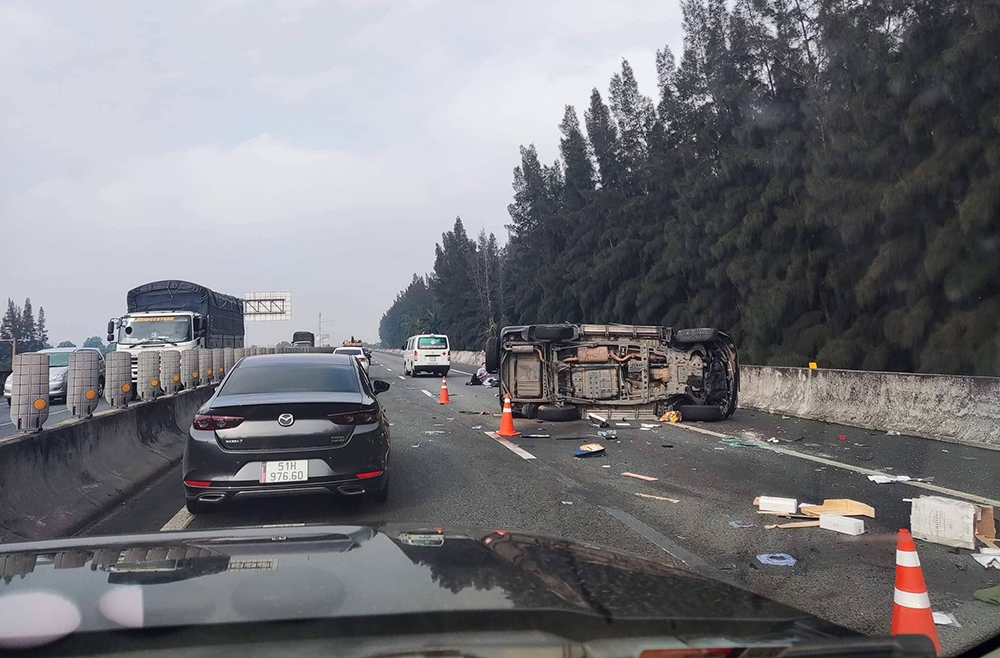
(520, 452)
(401, 377)
(180, 521)
(850, 467)
(461, 372)
(387, 368)
(427, 393)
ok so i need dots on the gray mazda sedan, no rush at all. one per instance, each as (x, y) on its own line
(289, 424)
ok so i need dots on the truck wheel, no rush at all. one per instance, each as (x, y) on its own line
(556, 414)
(492, 354)
(700, 412)
(553, 331)
(702, 335)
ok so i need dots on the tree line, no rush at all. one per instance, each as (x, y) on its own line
(20, 323)
(821, 178)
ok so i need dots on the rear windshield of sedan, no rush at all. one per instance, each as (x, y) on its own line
(348, 350)
(291, 379)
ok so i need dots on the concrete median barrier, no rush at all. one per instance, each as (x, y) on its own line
(55, 482)
(944, 407)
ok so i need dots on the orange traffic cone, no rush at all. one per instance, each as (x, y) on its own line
(507, 420)
(443, 398)
(911, 607)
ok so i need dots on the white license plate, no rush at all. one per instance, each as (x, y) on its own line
(432, 358)
(295, 470)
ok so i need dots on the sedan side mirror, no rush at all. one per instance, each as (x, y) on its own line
(380, 386)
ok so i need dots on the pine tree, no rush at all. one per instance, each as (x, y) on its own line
(29, 330)
(43, 333)
(603, 136)
(635, 117)
(579, 167)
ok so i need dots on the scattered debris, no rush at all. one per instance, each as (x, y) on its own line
(648, 426)
(988, 595)
(943, 450)
(842, 437)
(666, 445)
(843, 524)
(740, 524)
(841, 506)
(599, 421)
(892, 433)
(589, 450)
(606, 466)
(434, 432)
(623, 425)
(793, 524)
(567, 502)
(951, 522)
(861, 445)
(989, 541)
(738, 443)
(671, 417)
(885, 479)
(477, 427)
(989, 558)
(415, 445)
(772, 440)
(784, 418)
(776, 559)
(776, 504)
(534, 436)
(945, 619)
(645, 495)
(639, 477)
(608, 434)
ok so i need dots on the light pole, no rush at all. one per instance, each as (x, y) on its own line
(320, 336)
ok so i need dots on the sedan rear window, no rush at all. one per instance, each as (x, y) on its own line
(347, 350)
(291, 379)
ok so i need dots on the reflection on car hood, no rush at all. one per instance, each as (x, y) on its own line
(272, 573)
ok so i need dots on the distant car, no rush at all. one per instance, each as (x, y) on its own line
(288, 424)
(357, 352)
(59, 372)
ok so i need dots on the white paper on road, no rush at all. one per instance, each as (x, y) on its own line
(946, 619)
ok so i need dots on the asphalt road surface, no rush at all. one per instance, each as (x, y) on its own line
(57, 413)
(447, 471)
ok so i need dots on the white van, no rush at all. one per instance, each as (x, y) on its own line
(427, 353)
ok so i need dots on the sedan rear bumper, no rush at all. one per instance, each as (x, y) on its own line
(225, 492)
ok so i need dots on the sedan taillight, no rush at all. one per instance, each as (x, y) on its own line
(363, 417)
(215, 422)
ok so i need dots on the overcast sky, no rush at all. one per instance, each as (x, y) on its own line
(248, 145)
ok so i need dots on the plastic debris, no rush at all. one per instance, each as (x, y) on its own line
(415, 445)
(776, 504)
(776, 559)
(645, 478)
(434, 432)
(886, 479)
(738, 443)
(892, 433)
(567, 502)
(477, 427)
(784, 418)
(589, 450)
(534, 436)
(843, 524)
(608, 434)
(598, 421)
(988, 595)
(606, 466)
(648, 426)
(945, 619)
(671, 417)
(623, 425)
(772, 440)
(741, 524)
(645, 495)
(987, 560)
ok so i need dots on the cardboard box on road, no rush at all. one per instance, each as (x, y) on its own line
(950, 522)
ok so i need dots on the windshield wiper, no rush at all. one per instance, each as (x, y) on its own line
(149, 341)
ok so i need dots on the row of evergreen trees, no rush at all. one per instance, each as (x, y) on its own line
(19, 323)
(819, 177)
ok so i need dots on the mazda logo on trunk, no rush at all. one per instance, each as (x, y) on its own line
(285, 420)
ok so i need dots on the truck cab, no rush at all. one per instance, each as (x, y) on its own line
(156, 330)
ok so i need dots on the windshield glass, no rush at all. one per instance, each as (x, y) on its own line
(713, 284)
(291, 379)
(173, 329)
(58, 359)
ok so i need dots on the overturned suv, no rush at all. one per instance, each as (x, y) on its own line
(560, 371)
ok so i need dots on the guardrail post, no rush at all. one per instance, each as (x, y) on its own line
(170, 371)
(149, 375)
(29, 393)
(228, 358)
(189, 368)
(118, 379)
(83, 386)
(205, 366)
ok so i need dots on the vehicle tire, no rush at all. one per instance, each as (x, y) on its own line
(702, 335)
(444, 373)
(197, 507)
(413, 371)
(530, 411)
(699, 412)
(9, 403)
(492, 354)
(557, 414)
(381, 497)
(553, 331)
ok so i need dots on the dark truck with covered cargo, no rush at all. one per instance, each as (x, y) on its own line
(562, 371)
